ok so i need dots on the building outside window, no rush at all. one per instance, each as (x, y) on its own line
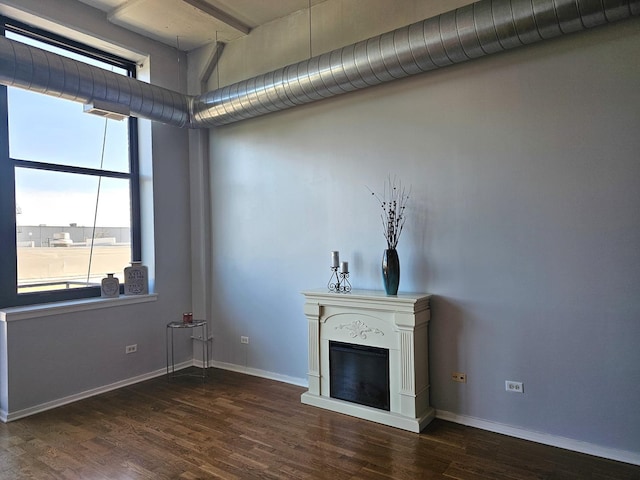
(69, 193)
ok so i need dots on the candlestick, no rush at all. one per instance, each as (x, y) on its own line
(339, 281)
(335, 258)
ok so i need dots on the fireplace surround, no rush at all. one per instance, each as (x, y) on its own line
(396, 324)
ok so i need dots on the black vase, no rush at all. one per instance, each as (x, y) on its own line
(391, 271)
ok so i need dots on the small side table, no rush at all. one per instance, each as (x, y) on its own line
(173, 326)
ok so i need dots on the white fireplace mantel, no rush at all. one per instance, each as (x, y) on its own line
(371, 318)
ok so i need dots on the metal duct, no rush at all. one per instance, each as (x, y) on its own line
(35, 69)
(476, 30)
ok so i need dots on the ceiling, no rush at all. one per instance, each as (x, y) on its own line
(189, 24)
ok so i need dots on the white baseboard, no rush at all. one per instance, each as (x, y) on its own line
(517, 432)
(11, 416)
(301, 382)
(544, 438)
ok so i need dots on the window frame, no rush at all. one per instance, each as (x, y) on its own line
(9, 296)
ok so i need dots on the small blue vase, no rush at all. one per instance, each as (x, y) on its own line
(391, 271)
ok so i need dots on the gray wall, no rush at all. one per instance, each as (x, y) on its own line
(50, 358)
(523, 221)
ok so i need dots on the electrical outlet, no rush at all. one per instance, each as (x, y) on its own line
(131, 348)
(244, 340)
(459, 377)
(515, 387)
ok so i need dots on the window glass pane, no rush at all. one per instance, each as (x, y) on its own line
(55, 130)
(55, 214)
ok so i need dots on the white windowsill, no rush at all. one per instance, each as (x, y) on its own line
(46, 309)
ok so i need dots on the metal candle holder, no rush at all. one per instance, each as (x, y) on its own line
(339, 281)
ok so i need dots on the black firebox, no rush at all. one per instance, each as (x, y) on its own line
(359, 374)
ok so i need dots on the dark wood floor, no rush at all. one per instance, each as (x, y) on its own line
(236, 426)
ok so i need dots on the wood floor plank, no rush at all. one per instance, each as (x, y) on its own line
(240, 427)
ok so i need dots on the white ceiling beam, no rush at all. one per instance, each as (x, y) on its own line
(119, 12)
(219, 15)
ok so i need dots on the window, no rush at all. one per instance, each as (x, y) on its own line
(69, 192)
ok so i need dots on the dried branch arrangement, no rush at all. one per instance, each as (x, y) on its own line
(393, 201)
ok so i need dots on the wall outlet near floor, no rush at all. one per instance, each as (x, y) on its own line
(459, 377)
(244, 340)
(515, 387)
(131, 348)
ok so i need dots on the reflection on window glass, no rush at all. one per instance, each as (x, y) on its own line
(58, 245)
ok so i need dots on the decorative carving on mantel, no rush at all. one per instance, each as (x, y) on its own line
(358, 328)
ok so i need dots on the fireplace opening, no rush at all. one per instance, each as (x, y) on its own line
(359, 374)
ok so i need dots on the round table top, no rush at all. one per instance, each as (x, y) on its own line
(193, 323)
